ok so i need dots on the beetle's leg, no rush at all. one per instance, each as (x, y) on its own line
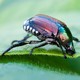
(76, 39)
(21, 43)
(17, 43)
(47, 41)
(26, 37)
(60, 45)
(12, 46)
(63, 52)
(40, 45)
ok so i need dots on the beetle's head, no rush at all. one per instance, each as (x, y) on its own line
(68, 45)
(70, 51)
(69, 48)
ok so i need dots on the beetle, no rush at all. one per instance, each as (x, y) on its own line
(48, 30)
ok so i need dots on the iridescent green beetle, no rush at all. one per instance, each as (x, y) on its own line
(49, 31)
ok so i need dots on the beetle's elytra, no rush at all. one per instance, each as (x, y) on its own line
(49, 31)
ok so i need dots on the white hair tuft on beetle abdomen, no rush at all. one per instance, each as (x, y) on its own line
(30, 29)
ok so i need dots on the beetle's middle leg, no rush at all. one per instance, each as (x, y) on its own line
(47, 41)
(40, 45)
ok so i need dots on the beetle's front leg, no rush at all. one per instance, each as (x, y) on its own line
(60, 45)
(63, 52)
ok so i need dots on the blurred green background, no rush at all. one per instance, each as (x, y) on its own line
(12, 15)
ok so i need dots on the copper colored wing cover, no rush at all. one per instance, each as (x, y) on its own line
(46, 24)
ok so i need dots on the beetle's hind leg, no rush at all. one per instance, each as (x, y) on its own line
(17, 43)
(21, 41)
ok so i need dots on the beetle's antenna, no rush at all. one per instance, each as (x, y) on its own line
(76, 39)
